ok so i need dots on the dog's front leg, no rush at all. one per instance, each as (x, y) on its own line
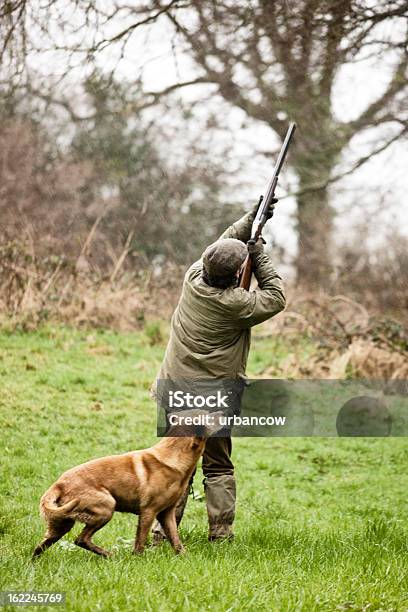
(146, 519)
(167, 519)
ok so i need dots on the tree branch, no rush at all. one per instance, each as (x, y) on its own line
(334, 36)
(127, 31)
(153, 98)
(358, 164)
(203, 44)
(368, 117)
(156, 95)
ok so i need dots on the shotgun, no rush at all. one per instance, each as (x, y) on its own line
(261, 215)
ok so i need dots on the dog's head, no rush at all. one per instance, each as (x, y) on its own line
(195, 423)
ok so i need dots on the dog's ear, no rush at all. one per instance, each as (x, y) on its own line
(200, 431)
(199, 436)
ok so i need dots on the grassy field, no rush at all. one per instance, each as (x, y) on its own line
(321, 523)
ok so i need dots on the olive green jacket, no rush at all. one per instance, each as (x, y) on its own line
(210, 328)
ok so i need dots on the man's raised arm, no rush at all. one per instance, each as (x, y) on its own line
(269, 298)
(241, 229)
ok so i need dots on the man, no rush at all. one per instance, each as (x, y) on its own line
(210, 338)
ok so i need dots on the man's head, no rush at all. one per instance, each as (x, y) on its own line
(222, 261)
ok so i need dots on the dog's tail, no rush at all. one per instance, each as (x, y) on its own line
(49, 507)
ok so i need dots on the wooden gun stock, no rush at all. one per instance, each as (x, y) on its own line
(246, 274)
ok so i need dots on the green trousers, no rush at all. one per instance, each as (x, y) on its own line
(219, 487)
(217, 458)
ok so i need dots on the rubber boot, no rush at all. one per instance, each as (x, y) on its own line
(158, 532)
(220, 496)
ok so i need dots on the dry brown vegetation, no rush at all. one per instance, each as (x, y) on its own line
(346, 340)
(343, 337)
(52, 288)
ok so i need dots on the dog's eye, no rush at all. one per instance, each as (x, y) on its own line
(196, 443)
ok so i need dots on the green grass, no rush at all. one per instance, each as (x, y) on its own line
(321, 522)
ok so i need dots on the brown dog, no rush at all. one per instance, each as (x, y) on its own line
(145, 482)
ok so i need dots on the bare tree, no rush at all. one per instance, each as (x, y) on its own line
(280, 59)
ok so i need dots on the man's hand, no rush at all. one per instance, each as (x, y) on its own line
(269, 212)
(256, 248)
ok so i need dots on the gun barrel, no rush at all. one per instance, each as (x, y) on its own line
(285, 147)
(261, 215)
(280, 160)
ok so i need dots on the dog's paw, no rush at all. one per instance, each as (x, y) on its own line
(107, 554)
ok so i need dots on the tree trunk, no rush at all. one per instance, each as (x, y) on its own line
(314, 221)
(314, 231)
